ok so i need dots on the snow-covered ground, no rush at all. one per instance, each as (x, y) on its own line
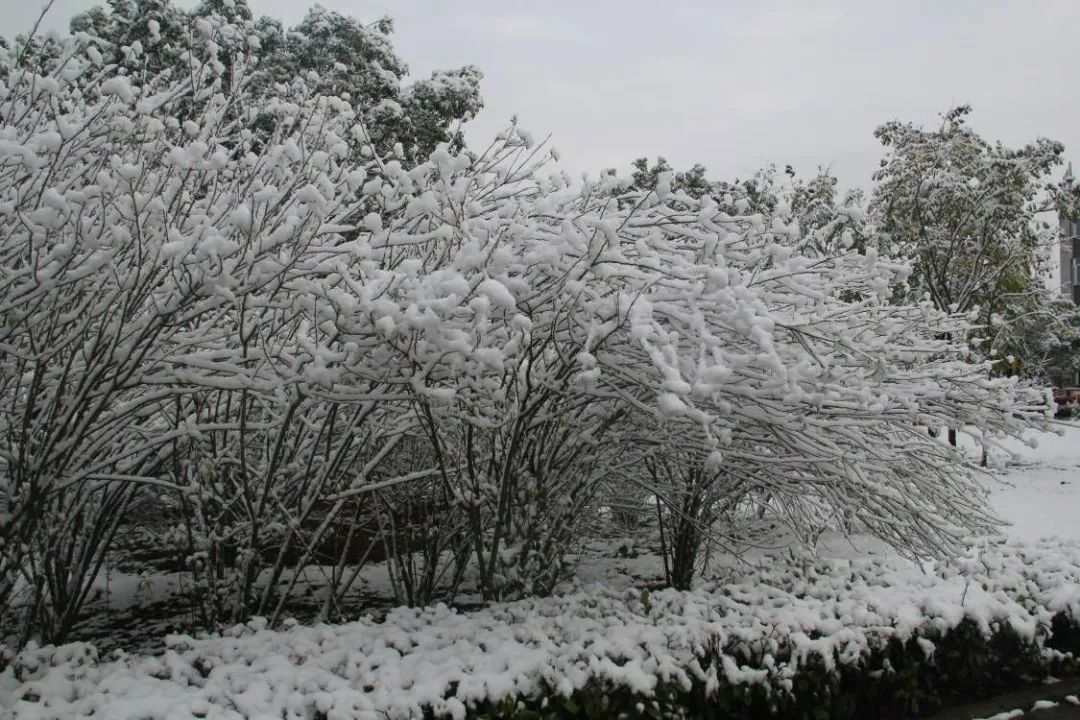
(1039, 494)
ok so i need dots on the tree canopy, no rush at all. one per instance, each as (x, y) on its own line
(965, 211)
(352, 59)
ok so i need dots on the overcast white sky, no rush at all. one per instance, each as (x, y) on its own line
(733, 85)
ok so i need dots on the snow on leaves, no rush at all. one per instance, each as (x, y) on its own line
(766, 625)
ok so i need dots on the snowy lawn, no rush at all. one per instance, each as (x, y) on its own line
(781, 614)
(1042, 494)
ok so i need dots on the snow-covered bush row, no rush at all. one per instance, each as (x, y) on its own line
(761, 630)
(287, 347)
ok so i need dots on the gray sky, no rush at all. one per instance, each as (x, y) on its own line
(733, 85)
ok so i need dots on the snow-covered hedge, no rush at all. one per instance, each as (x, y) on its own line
(782, 634)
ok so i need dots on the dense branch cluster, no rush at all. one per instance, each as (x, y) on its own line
(233, 321)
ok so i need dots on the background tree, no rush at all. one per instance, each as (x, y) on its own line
(1040, 341)
(827, 224)
(352, 59)
(693, 181)
(964, 210)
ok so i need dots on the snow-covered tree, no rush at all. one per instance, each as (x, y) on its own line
(965, 211)
(352, 59)
(827, 224)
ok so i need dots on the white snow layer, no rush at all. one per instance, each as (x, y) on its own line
(445, 660)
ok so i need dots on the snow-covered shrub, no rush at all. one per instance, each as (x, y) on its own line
(103, 297)
(292, 345)
(641, 328)
(791, 380)
(165, 300)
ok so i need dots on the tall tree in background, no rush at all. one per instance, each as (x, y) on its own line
(964, 211)
(353, 60)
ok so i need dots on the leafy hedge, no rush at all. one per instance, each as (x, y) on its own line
(898, 681)
(794, 638)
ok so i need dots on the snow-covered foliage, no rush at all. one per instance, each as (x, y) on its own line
(352, 60)
(963, 208)
(826, 224)
(159, 320)
(965, 211)
(763, 628)
(229, 308)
